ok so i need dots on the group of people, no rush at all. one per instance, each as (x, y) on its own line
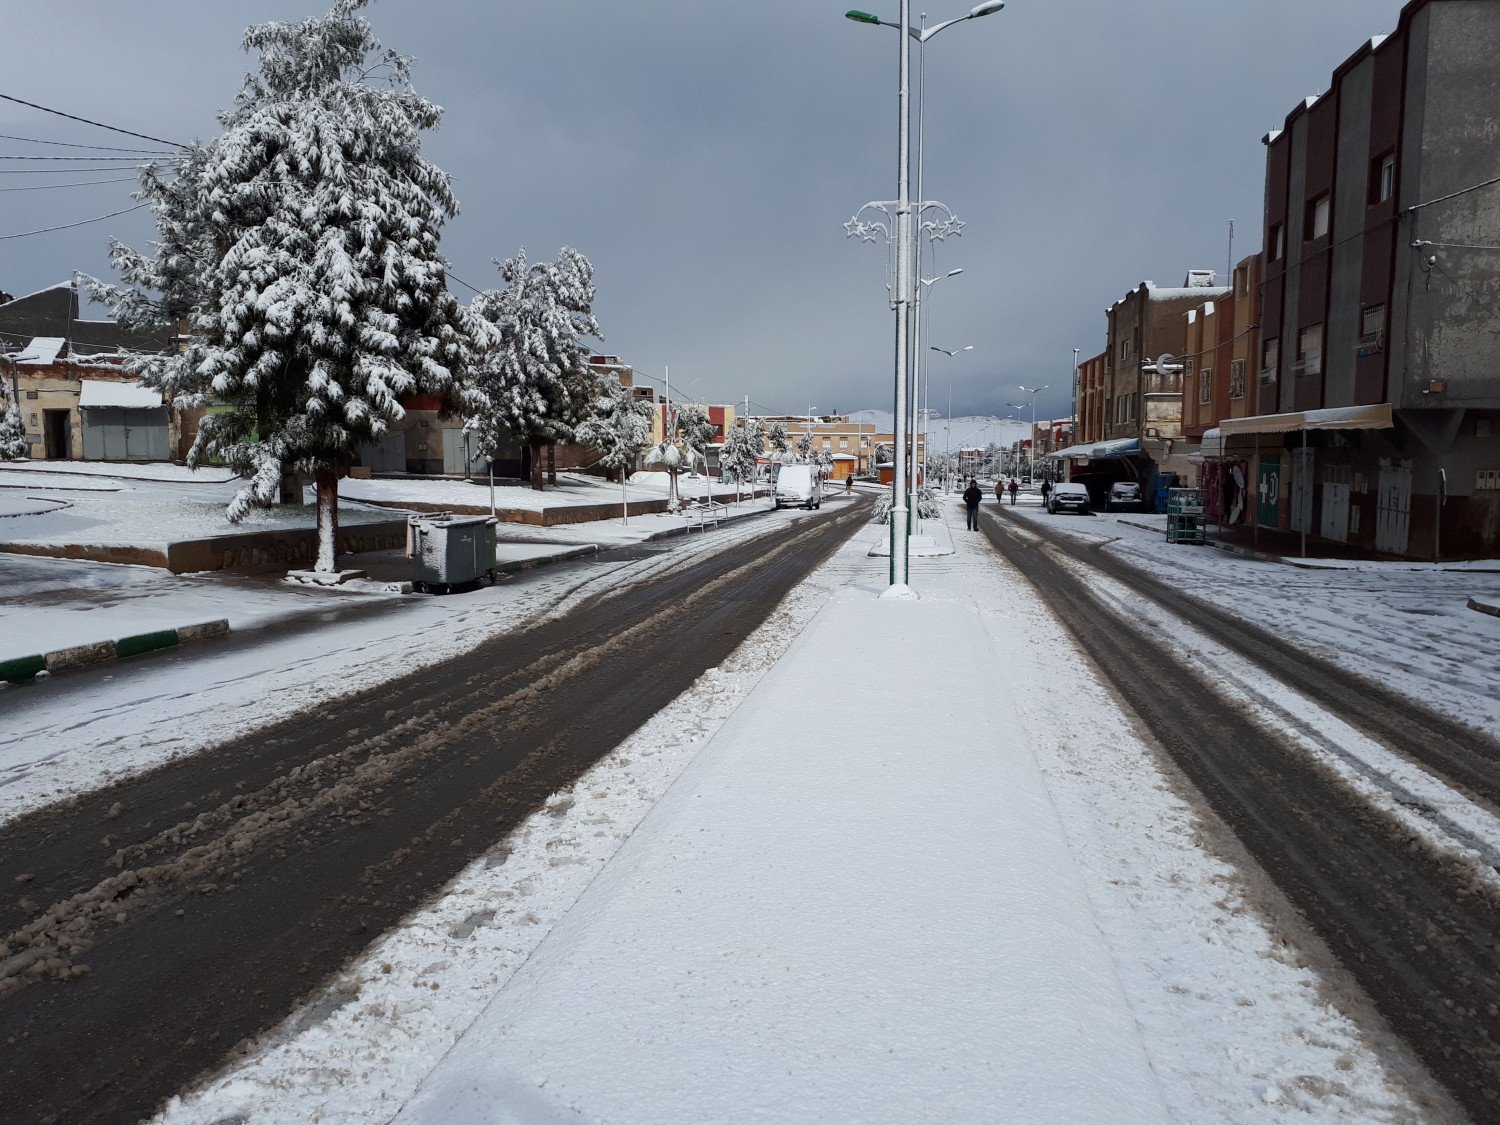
(973, 495)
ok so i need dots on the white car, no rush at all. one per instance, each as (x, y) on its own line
(799, 486)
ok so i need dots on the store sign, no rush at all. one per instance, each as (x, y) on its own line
(1268, 492)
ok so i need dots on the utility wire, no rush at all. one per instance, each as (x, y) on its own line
(76, 159)
(89, 121)
(70, 144)
(59, 171)
(80, 183)
(70, 226)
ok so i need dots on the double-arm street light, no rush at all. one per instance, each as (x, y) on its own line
(1031, 456)
(904, 289)
(948, 428)
(921, 390)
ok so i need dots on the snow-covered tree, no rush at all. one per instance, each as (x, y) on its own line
(13, 445)
(884, 454)
(697, 433)
(618, 425)
(535, 378)
(672, 456)
(742, 447)
(804, 446)
(776, 438)
(300, 246)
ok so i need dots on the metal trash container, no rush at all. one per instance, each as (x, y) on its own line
(449, 551)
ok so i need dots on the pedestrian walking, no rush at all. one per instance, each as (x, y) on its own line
(1015, 487)
(1046, 491)
(972, 497)
(848, 486)
(999, 492)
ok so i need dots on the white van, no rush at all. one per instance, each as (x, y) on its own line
(800, 485)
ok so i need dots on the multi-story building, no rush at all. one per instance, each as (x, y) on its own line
(1093, 394)
(1376, 395)
(837, 436)
(1221, 345)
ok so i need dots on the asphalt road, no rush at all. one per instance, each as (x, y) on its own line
(1416, 930)
(159, 922)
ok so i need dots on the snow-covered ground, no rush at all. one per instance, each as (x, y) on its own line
(291, 648)
(571, 490)
(720, 922)
(1406, 625)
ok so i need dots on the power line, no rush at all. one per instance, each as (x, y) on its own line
(70, 144)
(89, 121)
(80, 183)
(76, 159)
(70, 226)
(61, 171)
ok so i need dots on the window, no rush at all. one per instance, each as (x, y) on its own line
(1277, 242)
(1371, 331)
(1382, 178)
(1237, 379)
(1270, 360)
(1310, 350)
(1319, 211)
(1125, 349)
(1206, 385)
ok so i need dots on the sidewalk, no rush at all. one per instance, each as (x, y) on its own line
(852, 906)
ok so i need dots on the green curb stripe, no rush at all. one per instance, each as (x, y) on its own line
(21, 668)
(145, 642)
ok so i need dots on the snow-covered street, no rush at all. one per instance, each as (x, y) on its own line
(723, 922)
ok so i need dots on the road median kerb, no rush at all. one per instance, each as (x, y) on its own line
(23, 668)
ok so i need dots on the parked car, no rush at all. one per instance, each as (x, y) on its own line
(1124, 496)
(800, 486)
(1068, 498)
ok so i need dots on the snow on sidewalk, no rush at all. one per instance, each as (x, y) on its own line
(841, 911)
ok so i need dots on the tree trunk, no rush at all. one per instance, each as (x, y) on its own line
(327, 482)
(552, 464)
(536, 465)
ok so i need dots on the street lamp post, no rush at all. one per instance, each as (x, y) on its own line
(920, 387)
(948, 422)
(903, 294)
(1031, 456)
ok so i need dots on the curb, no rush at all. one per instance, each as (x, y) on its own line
(23, 668)
(1492, 608)
(518, 565)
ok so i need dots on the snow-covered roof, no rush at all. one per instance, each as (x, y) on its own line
(1119, 447)
(1376, 416)
(109, 392)
(42, 349)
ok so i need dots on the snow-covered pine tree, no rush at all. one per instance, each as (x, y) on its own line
(618, 425)
(697, 433)
(13, 445)
(535, 377)
(301, 247)
(804, 446)
(742, 447)
(777, 438)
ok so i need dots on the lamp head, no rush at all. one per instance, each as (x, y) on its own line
(863, 17)
(989, 8)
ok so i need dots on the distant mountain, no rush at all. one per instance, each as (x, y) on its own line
(959, 433)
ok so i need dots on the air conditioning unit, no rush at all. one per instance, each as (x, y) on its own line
(1371, 343)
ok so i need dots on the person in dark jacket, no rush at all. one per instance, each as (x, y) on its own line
(1015, 487)
(1046, 491)
(972, 497)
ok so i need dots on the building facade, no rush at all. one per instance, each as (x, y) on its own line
(1377, 389)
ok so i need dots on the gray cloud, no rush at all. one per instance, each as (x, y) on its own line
(705, 155)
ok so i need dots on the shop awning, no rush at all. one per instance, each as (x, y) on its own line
(1120, 447)
(1211, 444)
(128, 394)
(1376, 417)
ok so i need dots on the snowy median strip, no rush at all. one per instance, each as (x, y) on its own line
(22, 668)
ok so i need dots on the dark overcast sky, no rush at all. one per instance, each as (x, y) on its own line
(705, 156)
